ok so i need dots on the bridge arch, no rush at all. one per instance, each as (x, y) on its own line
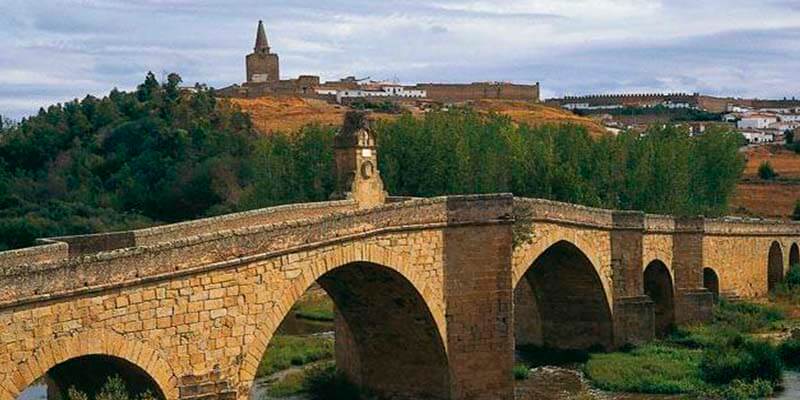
(775, 269)
(370, 287)
(794, 255)
(711, 281)
(658, 286)
(97, 344)
(564, 295)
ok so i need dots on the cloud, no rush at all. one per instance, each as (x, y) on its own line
(57, 50)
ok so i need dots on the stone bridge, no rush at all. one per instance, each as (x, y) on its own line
(431, 295)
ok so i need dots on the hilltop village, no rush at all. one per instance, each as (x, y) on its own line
(263, 79)
(759, 121)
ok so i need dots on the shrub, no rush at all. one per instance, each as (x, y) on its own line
(790, 353)
(746, 317)
(113, 389)
(326, 383)
(796, 214)
(793, 276)
(521, 372)
(789, 289)
(742, 359)
(536, 356)
(741, 390)
(766, 172)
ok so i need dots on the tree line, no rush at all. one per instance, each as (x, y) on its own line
(159, 154)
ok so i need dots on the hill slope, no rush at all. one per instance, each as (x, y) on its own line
(538, 114)
(768, 199)
(288, 114)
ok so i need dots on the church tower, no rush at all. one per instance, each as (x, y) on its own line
(356, 155)
(262, 65)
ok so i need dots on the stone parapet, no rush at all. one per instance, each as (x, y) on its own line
(83, 245)
(48, 252)
(751, 227)
(228, 248)
(659, 223)
(553, 211)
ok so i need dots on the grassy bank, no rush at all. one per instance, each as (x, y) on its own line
(320, 382)
(314, 307)
(285, 352)
(721, 360)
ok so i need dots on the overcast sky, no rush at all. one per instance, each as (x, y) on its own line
(56, 50)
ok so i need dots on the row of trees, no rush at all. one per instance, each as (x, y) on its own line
(663, 171)
(159, 155)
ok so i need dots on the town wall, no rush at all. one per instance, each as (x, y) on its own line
(454, 93)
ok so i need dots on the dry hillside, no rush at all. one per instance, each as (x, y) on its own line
(289, 114)
(768, 199)
(537, 114)
(785, 162)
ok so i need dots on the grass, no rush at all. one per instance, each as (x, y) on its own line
(290, 385)
(314, 308)
(656, 369)
(747, 317)
(284, 352)
(719, 360)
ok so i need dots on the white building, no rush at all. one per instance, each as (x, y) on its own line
(379, 92)
(758, 137)
(784, 126)
(756, 121)
(789, 117)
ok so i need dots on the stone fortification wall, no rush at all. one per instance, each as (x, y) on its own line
(480, 90)
(721, 104)
(628, 100)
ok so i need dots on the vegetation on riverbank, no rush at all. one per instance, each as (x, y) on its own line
(314, 307)
(285, 352)
(720, 360)
(114, 388)
(320, 382)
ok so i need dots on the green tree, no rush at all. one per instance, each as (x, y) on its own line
(796, 214)
(766, 172)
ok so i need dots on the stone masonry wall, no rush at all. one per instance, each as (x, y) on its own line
(197, 314)
(196, 304)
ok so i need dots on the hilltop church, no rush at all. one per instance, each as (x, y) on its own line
(263, 79)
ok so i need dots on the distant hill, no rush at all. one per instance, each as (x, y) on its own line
(289, 114)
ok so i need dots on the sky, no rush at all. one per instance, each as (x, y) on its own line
(58, 50)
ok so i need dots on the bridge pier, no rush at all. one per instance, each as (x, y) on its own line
(693, 303)
(634, 312)
(478, 296)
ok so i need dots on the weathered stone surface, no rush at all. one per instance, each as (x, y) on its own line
(196, 304)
